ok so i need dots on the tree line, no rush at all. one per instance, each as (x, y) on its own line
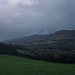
(51, 55)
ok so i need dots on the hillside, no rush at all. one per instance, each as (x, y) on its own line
(56, 47)
(63, 38)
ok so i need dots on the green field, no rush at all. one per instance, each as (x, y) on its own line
(11, 65)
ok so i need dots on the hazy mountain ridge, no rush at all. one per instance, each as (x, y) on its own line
(59, 37)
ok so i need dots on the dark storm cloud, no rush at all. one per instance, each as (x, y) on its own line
(21, 17)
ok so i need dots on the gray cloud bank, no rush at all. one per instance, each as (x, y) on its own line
(21, 17)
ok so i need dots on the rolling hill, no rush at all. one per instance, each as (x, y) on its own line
(59, 39)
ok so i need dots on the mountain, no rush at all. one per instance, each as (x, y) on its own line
(59, 39)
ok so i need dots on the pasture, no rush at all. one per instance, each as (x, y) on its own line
(12, 65)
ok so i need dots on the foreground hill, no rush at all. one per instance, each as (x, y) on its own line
(60, 39)
(11, 65)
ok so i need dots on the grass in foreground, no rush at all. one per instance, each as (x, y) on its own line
(11, 65)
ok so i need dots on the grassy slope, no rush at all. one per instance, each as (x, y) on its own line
(11, 65)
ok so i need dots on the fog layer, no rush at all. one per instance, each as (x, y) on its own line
(21, 17)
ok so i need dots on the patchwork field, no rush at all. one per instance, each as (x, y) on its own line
(12, 65)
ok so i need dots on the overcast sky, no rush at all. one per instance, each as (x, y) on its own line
(21, 17)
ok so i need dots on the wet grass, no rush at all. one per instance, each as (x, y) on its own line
(12, 65)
